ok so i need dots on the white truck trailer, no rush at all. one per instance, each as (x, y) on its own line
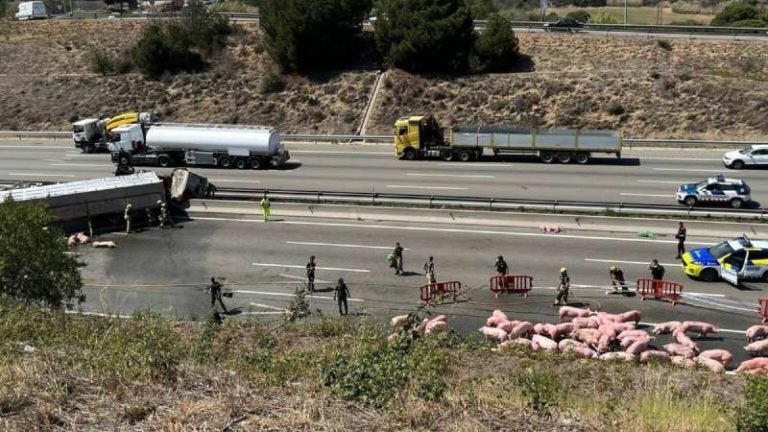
(31, 10)
(177, 144)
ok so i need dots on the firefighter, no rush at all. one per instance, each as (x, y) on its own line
(397, 254)
(657, 270)
(311, 273)
(563, 287)
(617, 280)
(127, 217)
(680, 236)
(265, 207)
(215, 289)
(501, 270)
(429, 270)
(341, 294)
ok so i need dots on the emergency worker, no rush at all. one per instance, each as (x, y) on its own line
(563, 287)
(341, 294)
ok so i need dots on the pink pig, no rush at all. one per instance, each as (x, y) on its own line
(759, 348)
(521, 329)
(647, 356)
(544, 343)
(493, 333)
(720, 355)
(679, 350)
(639, 346)
(753, 364)
(633, 315)
(699, 327)
(665, 327)
(756, 332)
(713, 365)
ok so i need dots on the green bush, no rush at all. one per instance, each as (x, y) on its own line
(579, 15)
(664, 44)
(100, 61)
(312, 34)
(614, 108)
(735, 12)
(482, 9)
(425, 35)
(541, 388)
(602, 17)
(753, 415)
(497, 47)
(753, 23)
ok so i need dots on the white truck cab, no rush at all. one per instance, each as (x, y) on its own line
(31, 10)
(126, 137)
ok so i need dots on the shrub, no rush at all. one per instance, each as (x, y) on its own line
(754, 23)
(425, 35)
(497, 47)
(602, 17)
(614, 108)
(100, 61)
(579, 15)
(541, 388)
(735, 12)
(272, 81)
(482, 9)
(311, 34)
(752, 416)
(664, 44)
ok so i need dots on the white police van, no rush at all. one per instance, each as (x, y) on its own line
(715, 190)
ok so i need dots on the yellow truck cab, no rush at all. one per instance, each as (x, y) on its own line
(733, 260)
(418, 136)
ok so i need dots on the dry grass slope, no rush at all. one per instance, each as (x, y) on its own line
(680, 88)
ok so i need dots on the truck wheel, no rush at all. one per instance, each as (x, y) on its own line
(547, 157)
(708, 275)
(690, 201)
(465, 156)
(255, 163)
(89, 148)
(409, 154)
(737, 203)
(241, 163)
(164, 161)
(225, 162)
(582, 157)
(446, 155)
(564, 157)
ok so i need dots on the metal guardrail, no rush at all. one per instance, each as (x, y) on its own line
(489, 203)
(386, 139)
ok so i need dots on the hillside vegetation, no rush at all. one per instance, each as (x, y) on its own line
(649, 88)
(65, 372)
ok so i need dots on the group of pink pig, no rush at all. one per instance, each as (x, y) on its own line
(427, 326)
(593, 334)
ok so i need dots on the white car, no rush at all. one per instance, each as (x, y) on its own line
(754, 155)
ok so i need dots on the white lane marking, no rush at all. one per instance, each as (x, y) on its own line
(81, 165)
(450, 230)
(720, 305)
(631, 285)
(98, 314)
(687, 170)
(303, 267)
(290, 295)
(476, 165)
(628, 262)
(302, 278)
(233, 180)
(28, 147)
(343, 152)
(451, 175)
(39, 175)
(677, 182)
(426, 187)
(269, 307)
(719, 330)
(681, 159)
(648, 195)
(342, 245)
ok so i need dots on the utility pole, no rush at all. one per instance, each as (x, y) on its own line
(625, 12)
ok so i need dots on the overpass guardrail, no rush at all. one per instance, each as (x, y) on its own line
(387, 139)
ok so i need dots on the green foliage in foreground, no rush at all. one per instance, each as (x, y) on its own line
(753, 415)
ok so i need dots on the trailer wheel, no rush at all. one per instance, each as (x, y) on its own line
(465, 156)
(164, 161)
(582, 157)
(446, 155)
(255, 163)
(564, 157)
(89, 148)
(547, 157)
(241, 163)
(225, 162)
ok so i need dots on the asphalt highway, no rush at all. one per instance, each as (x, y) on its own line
(262, 264)
(640, 176)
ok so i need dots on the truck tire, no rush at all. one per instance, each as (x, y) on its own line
(465, 156)
(582, 158)
(409, 154)
(446, 155)
(547, 157)
(89, 148)
(164, 161)
(241, 163)
(255, 163)
(565, 157)
(225, 162)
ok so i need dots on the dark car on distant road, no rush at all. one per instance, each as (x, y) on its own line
(565, 24)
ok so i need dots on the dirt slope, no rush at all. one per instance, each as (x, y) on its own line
(682, 88)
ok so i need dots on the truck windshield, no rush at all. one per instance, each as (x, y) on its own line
(78, 128)
(720, 250)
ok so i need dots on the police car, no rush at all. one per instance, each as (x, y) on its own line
(715, 190)
(732, 260)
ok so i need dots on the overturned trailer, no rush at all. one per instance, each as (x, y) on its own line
(86, 199)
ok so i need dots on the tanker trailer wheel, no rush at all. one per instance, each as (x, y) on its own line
(164, 161)
(582, 158)
(564, 157)
(241, 163)
(225, 162)
(547, 157)
(255, 163)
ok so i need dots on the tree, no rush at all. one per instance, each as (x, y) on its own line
(33, 264)
(735, 12)
(311, 34)
(482, 9)
(497, 47)
(425, 35)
